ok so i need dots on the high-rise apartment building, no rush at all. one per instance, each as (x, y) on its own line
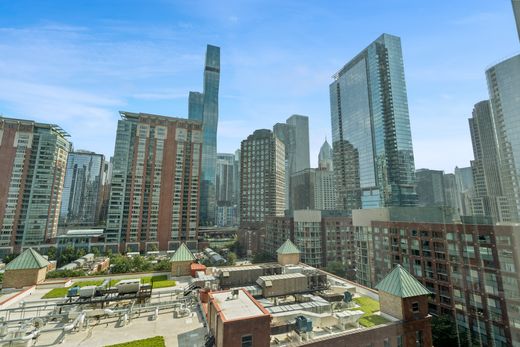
(465, 189)
(503, 81)
(154, 198)
(321, 236)
(262, 173)
(82, 190)
(295, 136)
(313, 189)
(489, 199)
(33, 160)
(204, 107)
(430, 187)
(227, 194)
(225, 179)
(372, 143)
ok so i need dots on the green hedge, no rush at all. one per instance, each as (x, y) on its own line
(157, 341)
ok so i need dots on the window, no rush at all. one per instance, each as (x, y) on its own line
(386, 342)
(247, 341)
(415, 307)
(419, 338)
(399, 341)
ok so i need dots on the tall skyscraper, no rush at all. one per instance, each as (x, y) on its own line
(262, 172)
(295, 136)
(226, 189)
(325, 157)
(204, 107)
(225, 179)
(154, 198)
(33, 160)
(372, 143)
(465, 189)
(430, 187)
(81, 199)
(504, 85)
(313, 189)
(489, 199)
(516, 11)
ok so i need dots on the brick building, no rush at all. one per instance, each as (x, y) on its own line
(471, 268)
(236, 319)
(28, 269)
(154, 198)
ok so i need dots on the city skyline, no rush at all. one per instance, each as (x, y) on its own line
(80, 79)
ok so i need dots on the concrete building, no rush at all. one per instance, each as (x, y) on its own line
(154, 198)
(371, 136)
(489, 199)
(295, 136)
(262, 184)
(82, 190)
(33, 158)
(28, 269)
(470, 268)
(236, 319)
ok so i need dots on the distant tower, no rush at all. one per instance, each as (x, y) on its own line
(372, 141)
(325, 157)
(262, 172)
(204, 107)
(295, 136)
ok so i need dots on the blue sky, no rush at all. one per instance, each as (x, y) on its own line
(77, 63)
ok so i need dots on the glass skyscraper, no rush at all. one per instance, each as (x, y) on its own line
(204, 107)
(504, 91)
(372, 143)
(81, 197)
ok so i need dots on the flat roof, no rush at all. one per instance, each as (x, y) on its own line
(281, 277)
(239, 307)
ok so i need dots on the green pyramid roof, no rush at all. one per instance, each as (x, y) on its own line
(399, 282)
(29, 259)
(182, 254)
(288, 248)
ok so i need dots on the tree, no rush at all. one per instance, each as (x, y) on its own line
(162, 265)
(337, 268)
(231, 258)
(95, 251)
(444, 333)
(51, 253)
(262, 258)
(8, 258)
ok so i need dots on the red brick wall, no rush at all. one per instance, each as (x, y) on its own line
(258, 327)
